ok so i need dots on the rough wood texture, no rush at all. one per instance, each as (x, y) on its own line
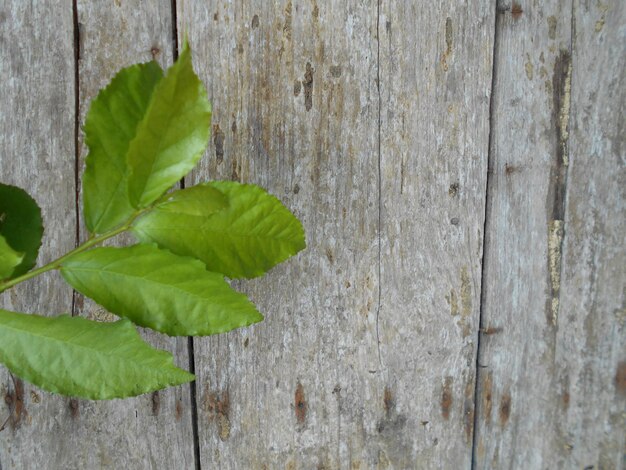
(37, 153)
(154, 430)
(294, 88)
(435, 75)
(371, 121)
(77, 433)
(551, 389)
(591, 338)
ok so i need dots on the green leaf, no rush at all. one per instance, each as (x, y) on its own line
(9, 259)
(199, 200)
(155, 288)
(173, 134)
(110, 127)
(20, 225)
(252, 235)
(78, 357)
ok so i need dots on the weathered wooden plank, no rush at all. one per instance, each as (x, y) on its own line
(591, 337)
(517, 371)
(152, 430)
(37, 153)
(549, 394)
(293, 86)
(435, 76)
(297, 110)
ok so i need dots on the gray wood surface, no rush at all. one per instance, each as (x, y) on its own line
(37, 152)
(435, 75)
(295, 101)
(115, 35)
(370, 364)
(112, 35)
(392, 129)
(551, 391)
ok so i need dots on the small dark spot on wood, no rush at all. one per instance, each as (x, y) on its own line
(510, 169)
(316, 11)
(335, 71)
(505, 409)
(156, 403)
(491, 330)
(468, 418)
(454, 221)
(233, 126)
(255, 21)
(453, 190)
(307, 84)
(288, 19)
(216, 16)
(20, 410)
(240, 48)
(34, 397)
(487, 395)
(424, 423)
(296, 188)
(79, 303)
(15, 401)
(74, 408)
(516, 11)
(218, 407)
(296, 87)
(565, 398)
(300, 404)
(388, 402)
(552, 27)
(446, 397)
(392, 425)
(337, 389)
(347, 285)
(246, 342)
(388, 26)
(155, 51)
(179, 410)
(448, 35)
(218, 140)
(236, 168)
(330, 255)
(620, 378)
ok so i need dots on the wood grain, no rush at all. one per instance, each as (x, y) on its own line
(150, 430)
(293, 87)
(435, 75)
(37, 153)
(591, 337)
(153, 430)
(376, 123)
(298, 110)
(553, 292)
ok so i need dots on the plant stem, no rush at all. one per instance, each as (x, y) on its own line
(56, 264)
(90, 243)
